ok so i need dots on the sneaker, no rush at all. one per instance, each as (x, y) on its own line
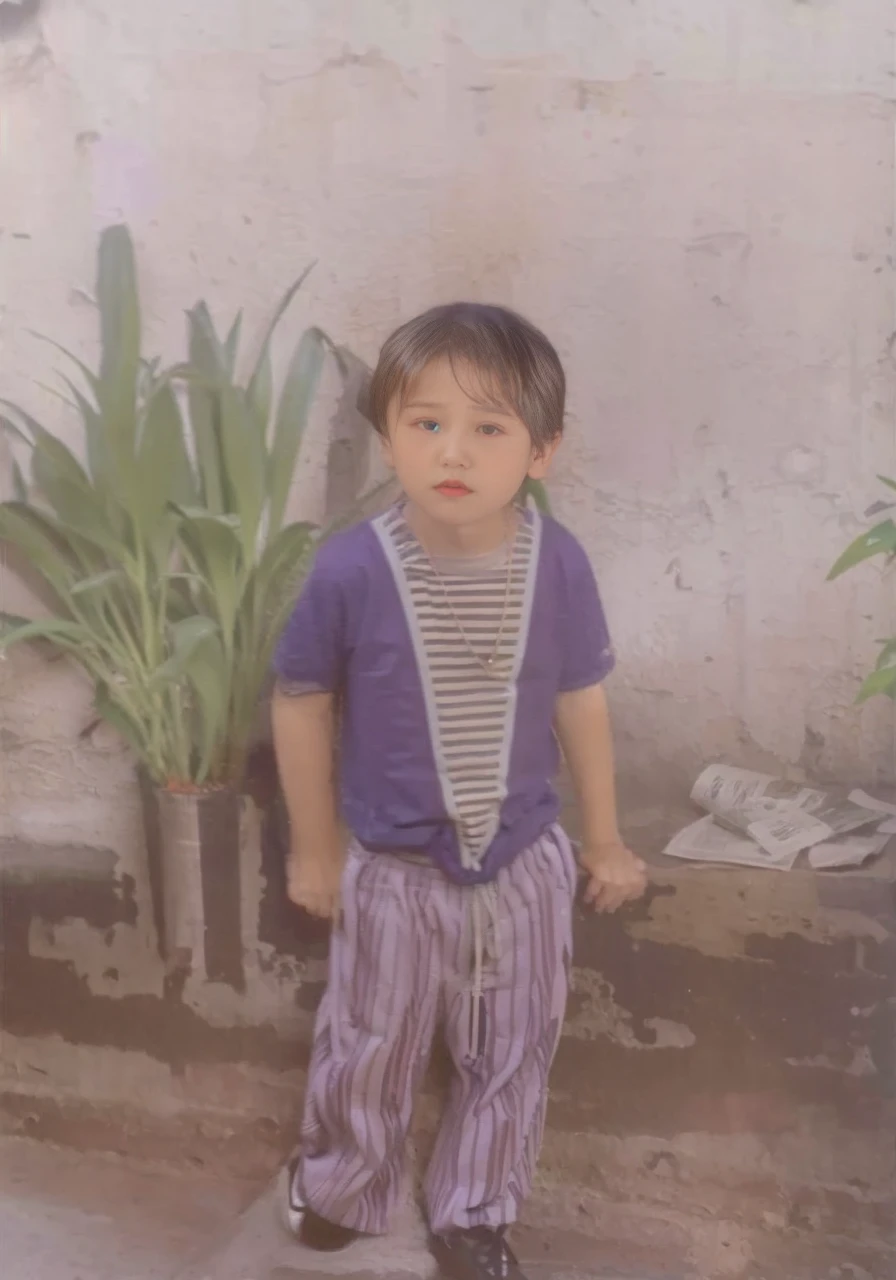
(482, 1253)
(308, 1227)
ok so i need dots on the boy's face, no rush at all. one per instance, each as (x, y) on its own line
(460, 457)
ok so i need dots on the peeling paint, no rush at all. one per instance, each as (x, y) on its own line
(670, 1035)
(861, 1063)
(717, 911)
(594, 1013)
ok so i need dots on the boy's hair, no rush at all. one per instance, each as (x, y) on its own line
(515, 360)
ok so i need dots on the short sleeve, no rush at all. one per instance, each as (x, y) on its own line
(588, 656)
(310, 655)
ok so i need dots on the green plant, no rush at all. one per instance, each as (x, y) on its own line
(166, 558)
(536, 492)
(880, 540)
(244, 563)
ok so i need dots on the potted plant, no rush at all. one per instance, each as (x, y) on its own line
(880, 540)
(169, 567)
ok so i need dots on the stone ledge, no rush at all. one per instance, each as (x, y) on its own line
(31, 862)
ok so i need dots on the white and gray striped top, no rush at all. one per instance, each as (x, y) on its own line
(471, 712)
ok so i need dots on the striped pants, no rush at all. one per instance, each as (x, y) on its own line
(400, 967)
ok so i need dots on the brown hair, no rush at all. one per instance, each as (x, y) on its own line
(514, 358)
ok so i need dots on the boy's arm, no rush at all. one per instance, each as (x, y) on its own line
(304, 733)
(582, 721)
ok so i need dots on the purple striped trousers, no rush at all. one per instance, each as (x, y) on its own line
(400, 968)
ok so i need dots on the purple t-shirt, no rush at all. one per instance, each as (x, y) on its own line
(353, 632)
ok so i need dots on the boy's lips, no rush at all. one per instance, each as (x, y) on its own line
(453, 488)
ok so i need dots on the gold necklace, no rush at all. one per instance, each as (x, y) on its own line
(488, 664)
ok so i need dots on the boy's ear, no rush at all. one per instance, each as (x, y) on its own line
(542, 459)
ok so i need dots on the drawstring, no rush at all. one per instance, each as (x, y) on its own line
(486, 944)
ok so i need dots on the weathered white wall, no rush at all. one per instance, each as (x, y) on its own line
(694, 197)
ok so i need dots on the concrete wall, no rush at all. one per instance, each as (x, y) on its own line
(694, 198)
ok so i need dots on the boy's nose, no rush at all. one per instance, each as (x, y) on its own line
(453, 452)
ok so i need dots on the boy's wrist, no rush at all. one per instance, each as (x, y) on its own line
(601, 838)
(320, 852)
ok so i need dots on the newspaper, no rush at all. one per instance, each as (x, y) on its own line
(882, 807)
(707, 841)
(759, 820)
(848, 851)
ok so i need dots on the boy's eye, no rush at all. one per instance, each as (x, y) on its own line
(489, 429)
(427, 424)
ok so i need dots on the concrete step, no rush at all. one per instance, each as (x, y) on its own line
(70, 1215)
(259, 1247)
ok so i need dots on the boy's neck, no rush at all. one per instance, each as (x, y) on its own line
(478, 538)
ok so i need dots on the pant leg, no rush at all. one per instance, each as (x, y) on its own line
(372, 1041)
(485, 1154)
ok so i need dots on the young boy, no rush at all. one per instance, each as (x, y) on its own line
(459, 636)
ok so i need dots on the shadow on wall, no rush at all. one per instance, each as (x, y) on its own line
(16, 15)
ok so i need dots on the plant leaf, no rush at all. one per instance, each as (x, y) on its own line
(244, 455)
(536, 491)
(260, 392)
(877, 507)
(13, 428)
(881, 540)
(209, 368)
(281, 566)
(221, 519)
(213, 548)
(55, 470)
(164, 467)
(186, 636)
(33, 536)
(886, 655)
(880, 681)
(52, 463)
(119, 306)
(211, 684)
(279, 312)
(88, 375)
(110, 710)
(10, 620)
(232, 343)
(56, 630)
(19, 487)
(93, 432)
(97, 580)
(299, 390)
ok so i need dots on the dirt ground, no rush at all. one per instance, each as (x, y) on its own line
(69, 1215)
(90, 1215)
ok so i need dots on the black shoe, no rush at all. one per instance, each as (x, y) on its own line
(482, 1253)
(308, 1227)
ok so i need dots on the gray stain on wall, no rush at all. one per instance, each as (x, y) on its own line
(15, 16)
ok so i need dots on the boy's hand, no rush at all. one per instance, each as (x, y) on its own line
(314, 884)
(615, 875)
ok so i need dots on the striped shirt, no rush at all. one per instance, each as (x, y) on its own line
(433, 754)
(459, 606)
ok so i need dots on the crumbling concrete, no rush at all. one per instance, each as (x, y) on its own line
(67, 1215)
(724, 1086)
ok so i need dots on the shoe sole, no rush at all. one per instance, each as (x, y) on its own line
(305, 1226)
